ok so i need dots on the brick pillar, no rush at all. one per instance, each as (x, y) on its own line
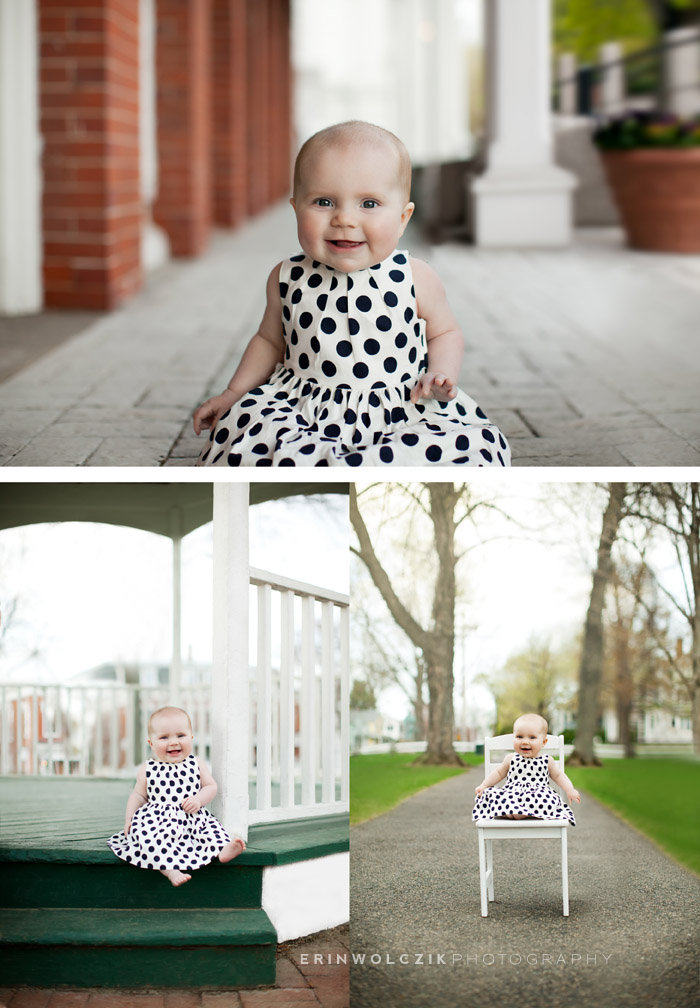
(229, 161)
(258, 105)
(183, 206)
(277, 150)
(284, 128)
(89, 100)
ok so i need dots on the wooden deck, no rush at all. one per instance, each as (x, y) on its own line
(70, 819)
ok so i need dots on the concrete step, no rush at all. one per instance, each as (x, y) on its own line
(49, 946)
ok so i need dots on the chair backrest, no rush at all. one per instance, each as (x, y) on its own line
(496, 747)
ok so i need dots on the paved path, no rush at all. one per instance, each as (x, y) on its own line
(301, 981)
(586, 356)
(634, 916)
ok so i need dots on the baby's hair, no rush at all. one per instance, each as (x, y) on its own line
(543, 726)
(345, 133)
(167, 710)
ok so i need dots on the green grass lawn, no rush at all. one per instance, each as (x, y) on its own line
(379, 782)
(660, 797)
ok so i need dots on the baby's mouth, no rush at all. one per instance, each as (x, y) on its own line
(345, 244)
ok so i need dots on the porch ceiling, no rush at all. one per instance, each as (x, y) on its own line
(169, 509)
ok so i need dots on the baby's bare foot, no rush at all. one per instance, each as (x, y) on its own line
(231, 850)
(175, 876)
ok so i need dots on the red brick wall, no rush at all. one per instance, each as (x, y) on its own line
(229, 126)
(183, 62)
(223, 108)
(89, 122)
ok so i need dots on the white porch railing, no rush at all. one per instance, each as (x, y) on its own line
(298, 711)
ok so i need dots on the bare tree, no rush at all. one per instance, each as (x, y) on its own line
(385, 662)
(633, 631)
(435, 639)
(675, 509)
(590, 668)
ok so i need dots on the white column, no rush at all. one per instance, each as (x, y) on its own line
(567, 86)
(229, 695)
(611, 98)
(523, 198)
(21, 289)
(682, 71)
(155, 249)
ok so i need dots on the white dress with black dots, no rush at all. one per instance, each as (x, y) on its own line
(526, 792)
(162, 834)
(355, 348)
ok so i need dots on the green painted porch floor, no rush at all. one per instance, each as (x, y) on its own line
(70, 819)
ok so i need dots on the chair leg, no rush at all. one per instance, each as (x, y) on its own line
(482, 874)
(565, 870)
(489, 868)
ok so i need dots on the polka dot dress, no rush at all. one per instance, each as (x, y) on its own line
(525, 792)
(355, 348)
(162, 834)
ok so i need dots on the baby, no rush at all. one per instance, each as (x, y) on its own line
(526, 793)
(358, 353)
(167, 826)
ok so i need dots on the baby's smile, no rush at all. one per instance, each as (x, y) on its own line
(340, 243)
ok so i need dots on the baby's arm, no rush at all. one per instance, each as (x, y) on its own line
(495, 775)
(206, 792)
(265, 350)
(560, 778)
(445, 340)
(137, 798)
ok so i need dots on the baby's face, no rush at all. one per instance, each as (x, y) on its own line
(351, 210)
(528, 738)
(171, 738)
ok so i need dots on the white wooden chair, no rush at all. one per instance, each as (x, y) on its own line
(489, 830)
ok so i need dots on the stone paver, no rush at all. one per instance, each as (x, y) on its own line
(585, 356)
(300, 981)
(418, 939)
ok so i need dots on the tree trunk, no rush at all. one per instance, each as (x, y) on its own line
(440, 652)
(437, 642)
(592, 649)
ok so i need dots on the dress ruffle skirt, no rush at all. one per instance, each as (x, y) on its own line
(162, 834)
(355, 348)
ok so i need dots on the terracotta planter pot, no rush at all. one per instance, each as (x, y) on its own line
(657, 192)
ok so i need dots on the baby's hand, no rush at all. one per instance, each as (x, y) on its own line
(433, 385)
(574, 796)
(191, 804)
(480, 789)
(127, 827)
(209, 413)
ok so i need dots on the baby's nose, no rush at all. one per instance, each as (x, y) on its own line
(344, 217)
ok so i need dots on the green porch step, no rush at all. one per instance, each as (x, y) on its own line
(133, 948)
(121, 886)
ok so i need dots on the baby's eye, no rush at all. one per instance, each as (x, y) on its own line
(323, 201)
(369, 204)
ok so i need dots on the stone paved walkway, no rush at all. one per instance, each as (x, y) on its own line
(302, 980)
(631, 938)
(586, 356)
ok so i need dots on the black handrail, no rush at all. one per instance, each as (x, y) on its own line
(649, 78)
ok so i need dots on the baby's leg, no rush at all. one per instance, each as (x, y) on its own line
(231, 850)
(175, 875)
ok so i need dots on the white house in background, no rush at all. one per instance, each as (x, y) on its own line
(657, 725)
(371, 727)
